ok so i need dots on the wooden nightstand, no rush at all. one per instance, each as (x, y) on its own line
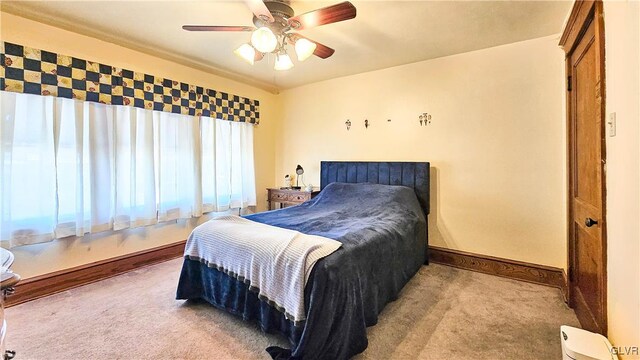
(288, 196)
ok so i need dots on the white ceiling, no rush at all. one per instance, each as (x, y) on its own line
(384, 33)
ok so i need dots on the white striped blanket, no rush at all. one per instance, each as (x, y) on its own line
(273, 261)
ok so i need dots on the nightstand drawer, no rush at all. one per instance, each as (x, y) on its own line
(299, 197)
(288, 196)
(278, 196)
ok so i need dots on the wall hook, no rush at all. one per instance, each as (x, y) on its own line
(348, 123)
(366, 124)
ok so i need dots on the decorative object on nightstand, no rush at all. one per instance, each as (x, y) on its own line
(309, 188)
(287, 182)
(299, 172)
(288, 196)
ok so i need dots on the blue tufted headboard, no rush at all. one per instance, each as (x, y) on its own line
(411, 174)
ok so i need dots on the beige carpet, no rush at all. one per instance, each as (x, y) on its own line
(443, 313)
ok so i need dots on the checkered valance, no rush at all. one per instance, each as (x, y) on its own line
(32, 71)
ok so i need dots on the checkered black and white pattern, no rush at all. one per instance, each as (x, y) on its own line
(272, 261)
(33, 71)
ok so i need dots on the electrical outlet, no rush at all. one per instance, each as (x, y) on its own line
(612, 124)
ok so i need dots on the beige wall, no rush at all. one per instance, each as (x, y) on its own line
(622, 47)
(43, 258)
(496, 142)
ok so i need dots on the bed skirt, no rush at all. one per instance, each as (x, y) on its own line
(198, 281)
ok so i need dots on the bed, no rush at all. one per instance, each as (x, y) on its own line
(383, 231)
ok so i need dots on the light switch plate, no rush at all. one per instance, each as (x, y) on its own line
(612, 124)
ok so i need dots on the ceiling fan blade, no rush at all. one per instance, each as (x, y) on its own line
(259, 9)
(327, 15)
(321, 51)
(217, 28)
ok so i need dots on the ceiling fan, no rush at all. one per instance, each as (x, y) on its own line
(275, 25)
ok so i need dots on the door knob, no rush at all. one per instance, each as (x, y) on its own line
(589, 222)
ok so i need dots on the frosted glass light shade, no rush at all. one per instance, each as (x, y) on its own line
(283, 62)
(264, 40)
(246, 52)
(304, 49)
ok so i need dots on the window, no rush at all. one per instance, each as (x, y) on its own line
(70, 167)
(227, 165)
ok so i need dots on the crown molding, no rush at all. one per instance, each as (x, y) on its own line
(15, 9)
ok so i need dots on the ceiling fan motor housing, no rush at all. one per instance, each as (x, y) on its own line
(281, 12)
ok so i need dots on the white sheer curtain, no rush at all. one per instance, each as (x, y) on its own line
(178, 171)
(135, 193)
(27, 169)
(228, 178)
(70, 168)
(83, 137)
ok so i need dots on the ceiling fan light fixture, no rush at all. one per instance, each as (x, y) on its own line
(246, 52)
(304, 49)
(264, 40)
(274, 21)
(283, 62)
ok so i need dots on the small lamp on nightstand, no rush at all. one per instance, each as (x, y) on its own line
(299, 171)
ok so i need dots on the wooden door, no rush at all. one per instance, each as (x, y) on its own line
(586, 215)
